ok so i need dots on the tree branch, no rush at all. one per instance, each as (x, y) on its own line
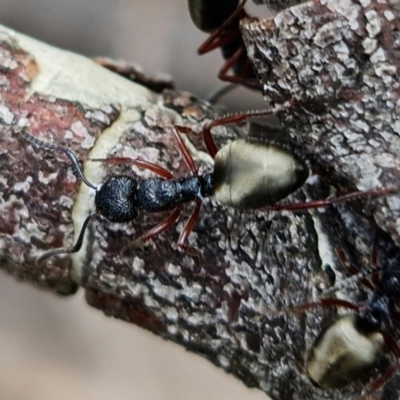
(220, 305)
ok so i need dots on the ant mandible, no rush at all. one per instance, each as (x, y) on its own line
(221, 19)
(348, 347)
(248, 174)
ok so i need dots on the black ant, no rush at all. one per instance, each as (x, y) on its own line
(349, 347)
(248, 174)
(221, 19)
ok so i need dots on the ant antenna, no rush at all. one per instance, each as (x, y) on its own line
(352, 279)
(77, 246)
(69, 153)
(216, 96)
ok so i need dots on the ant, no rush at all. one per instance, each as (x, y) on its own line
(248, 174)
(222, 19)
(349, 347)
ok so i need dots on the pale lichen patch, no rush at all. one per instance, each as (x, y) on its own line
(23, 186)
(98, 116)
(7, 62)
(6, 116)
(389, 15)
(374, 23)
(66, 201)
(369, 45)
(378, 56)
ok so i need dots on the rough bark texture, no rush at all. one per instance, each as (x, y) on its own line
(219, 305)
(340, 60)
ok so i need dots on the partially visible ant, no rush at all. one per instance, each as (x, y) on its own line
(221, 19)
(350, 346)
(248, 174)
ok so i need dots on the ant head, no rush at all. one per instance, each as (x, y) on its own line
(390, 282)
(116, 199)
(377, 312)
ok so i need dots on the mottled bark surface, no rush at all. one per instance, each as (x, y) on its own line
(340, 60)
(219, 304)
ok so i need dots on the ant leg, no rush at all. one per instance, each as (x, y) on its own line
(157, 169)
(184, 150)
(352, 269)
(386, 375)
(218, 38)
(161, 227)
(236, 118)
(239, 79)
(374, 263)
(216, 96)
(326, 302)
(208, 140)
(188, 228)
(326, 202)
(77, 246)
(214, 41)
(395, 315)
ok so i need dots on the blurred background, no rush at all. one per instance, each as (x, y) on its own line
(156, 34)
(56, 348)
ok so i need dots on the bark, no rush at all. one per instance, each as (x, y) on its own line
(340, 61)
(221, 304)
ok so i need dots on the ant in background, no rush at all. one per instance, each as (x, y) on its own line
(221, 19)
(350, 346)
(248, 174)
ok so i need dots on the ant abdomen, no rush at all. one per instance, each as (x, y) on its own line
(209, 15)
(341, 353)
(350, 346)
(253, 174)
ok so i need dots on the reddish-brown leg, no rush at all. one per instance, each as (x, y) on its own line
(161, 227)
(188, 228)
(234, 119)
(386, 375)
(326, 202)
(157, 169)
(208, 140)
(326, 302)
(184, 150)
(214, 41)
(352, 269)
(218, 38)
(227, 33)
(395, 315)
(374, 264)
(246, 74)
